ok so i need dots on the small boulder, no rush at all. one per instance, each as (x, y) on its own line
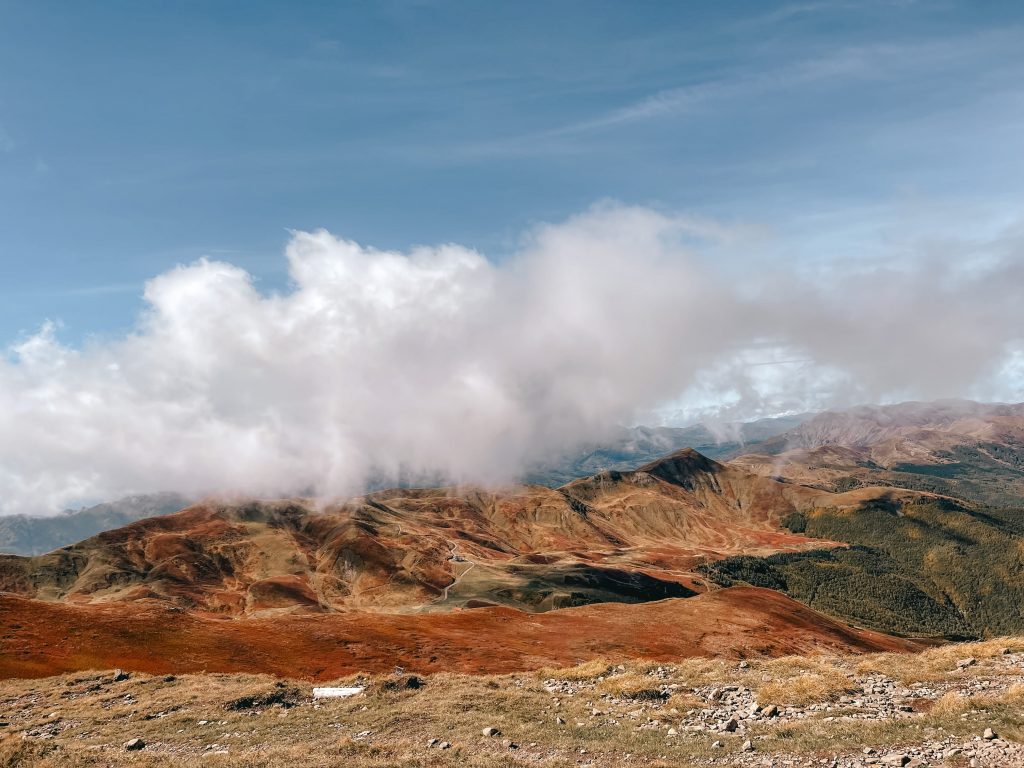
(490, 731)
(133, 745)
(731, 724)
(120, 675)
(968, 662)
(988, 735)
(748, 746)
(896, 758)
(769, 710)
(403, 683)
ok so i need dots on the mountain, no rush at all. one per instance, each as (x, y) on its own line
(625, 449)
(847, 531)
(25, 535)
(973, 451)
(616, 536)
(629, 448)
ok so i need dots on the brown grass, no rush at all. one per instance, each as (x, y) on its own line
(587, 670)
(95, 716)
(805, 688)
(629, 685)
(935, 663)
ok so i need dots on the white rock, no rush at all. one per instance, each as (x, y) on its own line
(338, 693)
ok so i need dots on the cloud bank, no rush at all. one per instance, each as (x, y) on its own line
(438, 362)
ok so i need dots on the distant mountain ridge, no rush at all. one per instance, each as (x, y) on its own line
(630, 447)
(960, 448)
(25, 535)
(627, 449)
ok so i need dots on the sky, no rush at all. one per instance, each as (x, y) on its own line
(135, 136)
(530, 219)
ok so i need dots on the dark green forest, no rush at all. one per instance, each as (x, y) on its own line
(937, 569)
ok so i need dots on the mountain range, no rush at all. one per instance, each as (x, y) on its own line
(880, 527)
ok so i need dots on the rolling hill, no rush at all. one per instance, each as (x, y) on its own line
(616, 536)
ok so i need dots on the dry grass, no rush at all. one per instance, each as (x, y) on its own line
(180, 719)
(935, 663)
(805, 688)
(587, 670)
(630, 685)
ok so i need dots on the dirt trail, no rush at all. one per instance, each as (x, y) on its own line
(458, 576)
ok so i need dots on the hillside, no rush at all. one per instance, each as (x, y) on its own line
(616, 536)
(936, 568)
(973, 451)
(45, 638)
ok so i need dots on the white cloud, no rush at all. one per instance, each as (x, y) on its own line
(439, 362)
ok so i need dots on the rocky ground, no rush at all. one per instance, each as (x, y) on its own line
(949, 706)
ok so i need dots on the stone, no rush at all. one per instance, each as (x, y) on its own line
(490, 731)
(988, 735)
(673, 732)
(431, 743)
(770, 711)
(896, 758)
(133, 745)
(731, 724)
(444, 745)
(747, 746)
(968, 662)
(120, 675)
(560, 720)
(716, 744)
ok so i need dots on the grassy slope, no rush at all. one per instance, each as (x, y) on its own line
(936, 569)
(606, 718)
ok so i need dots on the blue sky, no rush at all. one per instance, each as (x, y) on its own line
(135, 136)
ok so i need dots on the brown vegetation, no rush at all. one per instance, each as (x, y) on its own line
(40, 638)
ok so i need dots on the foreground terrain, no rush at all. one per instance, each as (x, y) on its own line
(39, 638)
(956, 705)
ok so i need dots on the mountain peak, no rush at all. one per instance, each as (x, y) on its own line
(680, 467)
